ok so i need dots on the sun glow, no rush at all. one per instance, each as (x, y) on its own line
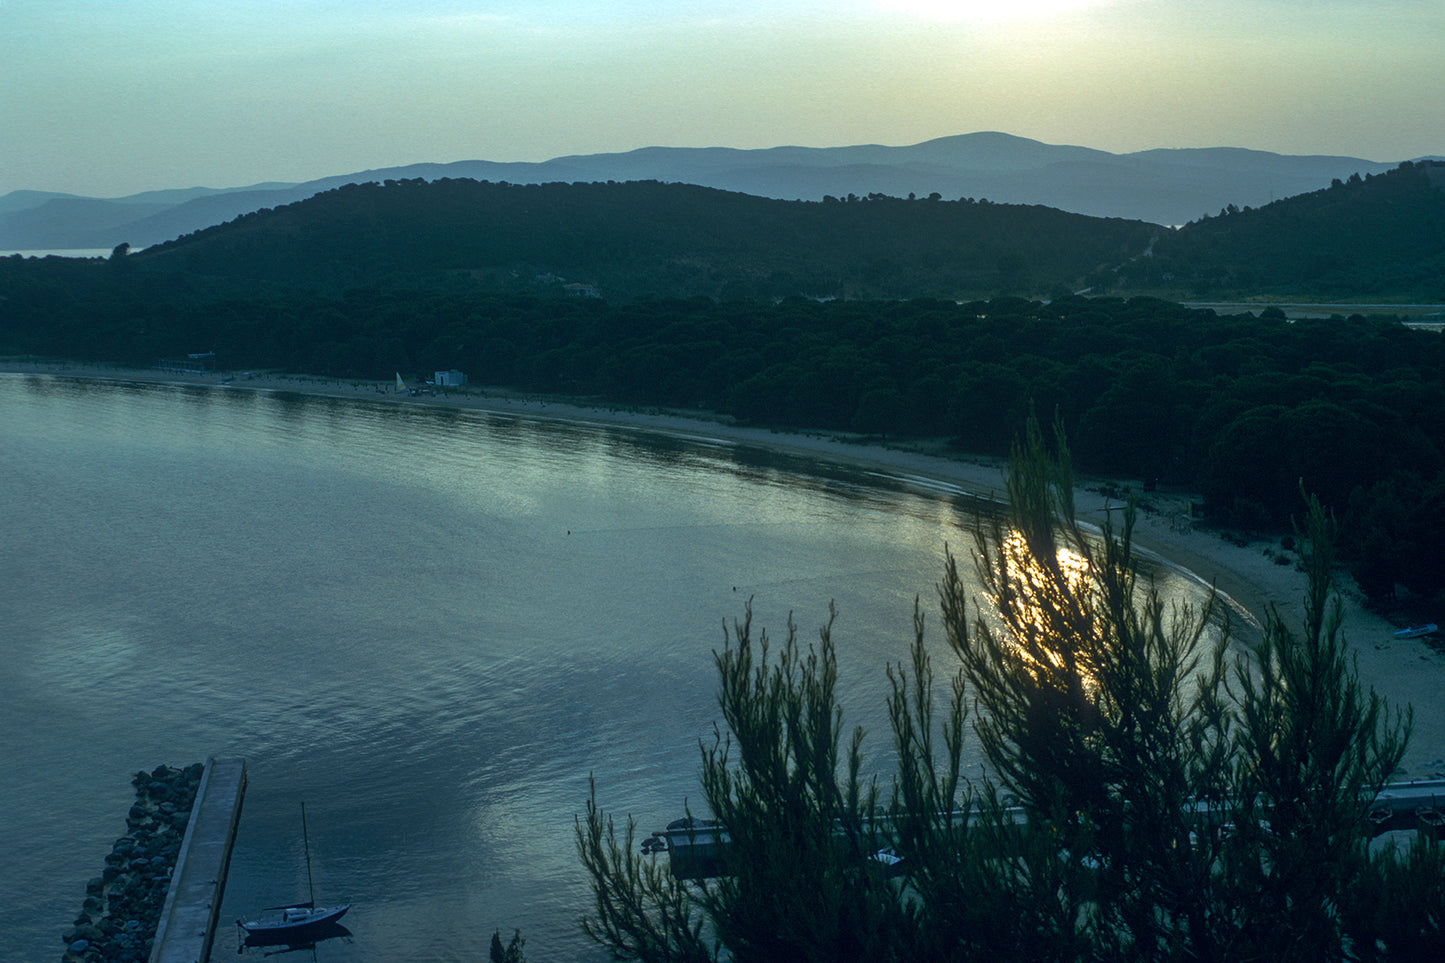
(985, 11)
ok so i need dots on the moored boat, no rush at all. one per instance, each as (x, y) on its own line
(294, 922)
(297, 922)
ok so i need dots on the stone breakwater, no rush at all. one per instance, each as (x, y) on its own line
(117, 922)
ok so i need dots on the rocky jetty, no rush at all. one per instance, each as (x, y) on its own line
(117, 922)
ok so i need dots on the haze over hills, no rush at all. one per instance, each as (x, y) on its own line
(1162, 186)
(1380, 237)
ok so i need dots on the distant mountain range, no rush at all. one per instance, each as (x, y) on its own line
(1158, 186)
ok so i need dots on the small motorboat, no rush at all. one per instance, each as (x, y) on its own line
(888, 861)
(1416, 631)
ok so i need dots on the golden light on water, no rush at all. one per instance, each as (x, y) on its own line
(1023, 563)
(1047, 609)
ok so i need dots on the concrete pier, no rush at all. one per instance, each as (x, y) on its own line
(193, 903)
(695, 848)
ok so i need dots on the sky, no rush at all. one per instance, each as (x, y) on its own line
(112, 97)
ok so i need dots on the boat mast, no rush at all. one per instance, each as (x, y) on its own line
(306, 843)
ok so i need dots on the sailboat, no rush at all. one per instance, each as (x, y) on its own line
(296, 922)
(400, 385)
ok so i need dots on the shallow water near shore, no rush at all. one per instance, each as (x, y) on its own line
(429, 624)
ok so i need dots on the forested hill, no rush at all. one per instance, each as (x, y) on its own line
(1377, 238)
(1381, 236)
(646, 238)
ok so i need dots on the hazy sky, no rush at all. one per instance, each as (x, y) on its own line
(111, 97)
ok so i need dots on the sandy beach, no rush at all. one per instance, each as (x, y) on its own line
(1406, 671)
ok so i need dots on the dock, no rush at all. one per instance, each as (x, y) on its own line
(187, 925)
(696, 847)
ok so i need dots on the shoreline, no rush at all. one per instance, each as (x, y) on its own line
(1249, 577)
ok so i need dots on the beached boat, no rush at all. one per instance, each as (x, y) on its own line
(1415, 631)
(296, 922)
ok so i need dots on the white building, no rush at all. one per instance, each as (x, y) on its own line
(450, 379)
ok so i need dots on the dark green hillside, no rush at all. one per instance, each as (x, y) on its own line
(1378, 237)
(1381, 238)
(650, 239)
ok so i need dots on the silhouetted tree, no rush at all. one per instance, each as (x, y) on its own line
(1174, 802)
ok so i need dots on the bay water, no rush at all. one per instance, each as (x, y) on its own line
(431, 625)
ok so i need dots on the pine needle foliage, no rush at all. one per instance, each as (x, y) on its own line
(1153, 790)
(1311, 744)
(799, 880)
(640, 910)
(512, 953)
(1095, 709)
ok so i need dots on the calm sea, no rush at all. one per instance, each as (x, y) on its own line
(429, 625)
(80, 252)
